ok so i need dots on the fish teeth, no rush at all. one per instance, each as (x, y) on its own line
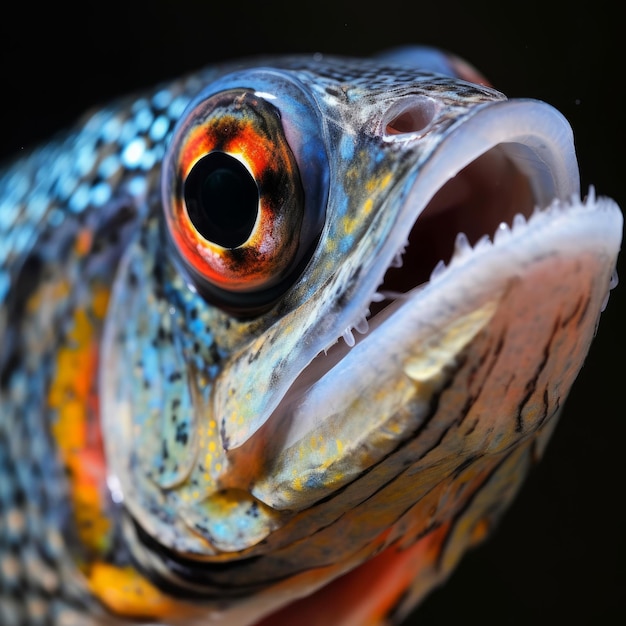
(348, 337)
(461, 244)
(397, 259)
(438, 270)
(483, 242)
(519, 221)
(591, 196)
(362, 326)
(503, 232)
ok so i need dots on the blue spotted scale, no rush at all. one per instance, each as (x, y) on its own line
(281, 339)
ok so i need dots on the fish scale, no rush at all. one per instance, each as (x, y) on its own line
(178, 450)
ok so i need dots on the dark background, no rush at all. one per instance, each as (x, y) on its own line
(559, 553)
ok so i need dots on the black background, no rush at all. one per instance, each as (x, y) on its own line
(559, 553)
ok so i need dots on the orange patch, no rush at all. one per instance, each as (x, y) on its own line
(367, 594)
(76, 429)
(126, 592)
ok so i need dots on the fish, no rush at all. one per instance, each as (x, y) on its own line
(282, 338)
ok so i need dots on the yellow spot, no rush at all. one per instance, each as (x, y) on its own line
(349, 224)
(339, 445)
(218, 467)
(378, 183)
(212, 446)
(100, 302)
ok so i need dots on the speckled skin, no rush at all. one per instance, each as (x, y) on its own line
(185, 390)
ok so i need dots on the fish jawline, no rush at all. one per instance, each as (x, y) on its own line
(528, 135)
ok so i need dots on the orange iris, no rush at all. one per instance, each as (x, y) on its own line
(235, 205)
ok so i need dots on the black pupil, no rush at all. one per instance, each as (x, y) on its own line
(222, 199)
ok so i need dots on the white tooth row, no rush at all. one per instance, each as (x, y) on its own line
(462, 248)
(361, 326)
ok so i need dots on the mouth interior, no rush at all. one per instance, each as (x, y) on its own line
(487, 192)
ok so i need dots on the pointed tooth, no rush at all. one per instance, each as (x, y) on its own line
(461, 244)
(502, 232)
(519, 221)
(591, 196)
(362, 326)
(397, 260)
(348, 337)
(553, 207)
(438, 270)
(378, 297)
(483, 242)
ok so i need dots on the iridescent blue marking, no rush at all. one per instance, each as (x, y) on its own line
(148, 160)
(65, 186)
(133, 153)
(143, 118)
(111, 129)
(137, 186)
(56, 217)
(109, 165)
(159, 128)
(100, 194)
(80, 198)
(177, 106)
(85, 160)
(162, 99)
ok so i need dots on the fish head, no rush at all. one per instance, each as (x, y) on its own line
(358, 279)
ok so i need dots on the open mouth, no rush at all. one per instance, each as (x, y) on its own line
(505, 164)
(508, 163)
(510, 160)
(487, 193)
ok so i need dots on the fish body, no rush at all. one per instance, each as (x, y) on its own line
(283, 338)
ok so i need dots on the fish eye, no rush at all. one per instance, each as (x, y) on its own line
(243, 218)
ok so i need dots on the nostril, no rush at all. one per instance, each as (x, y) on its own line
(412, 116)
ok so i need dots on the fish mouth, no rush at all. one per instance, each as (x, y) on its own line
(500, 191)
(493, 176)
(510, 160)
(485, 195)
